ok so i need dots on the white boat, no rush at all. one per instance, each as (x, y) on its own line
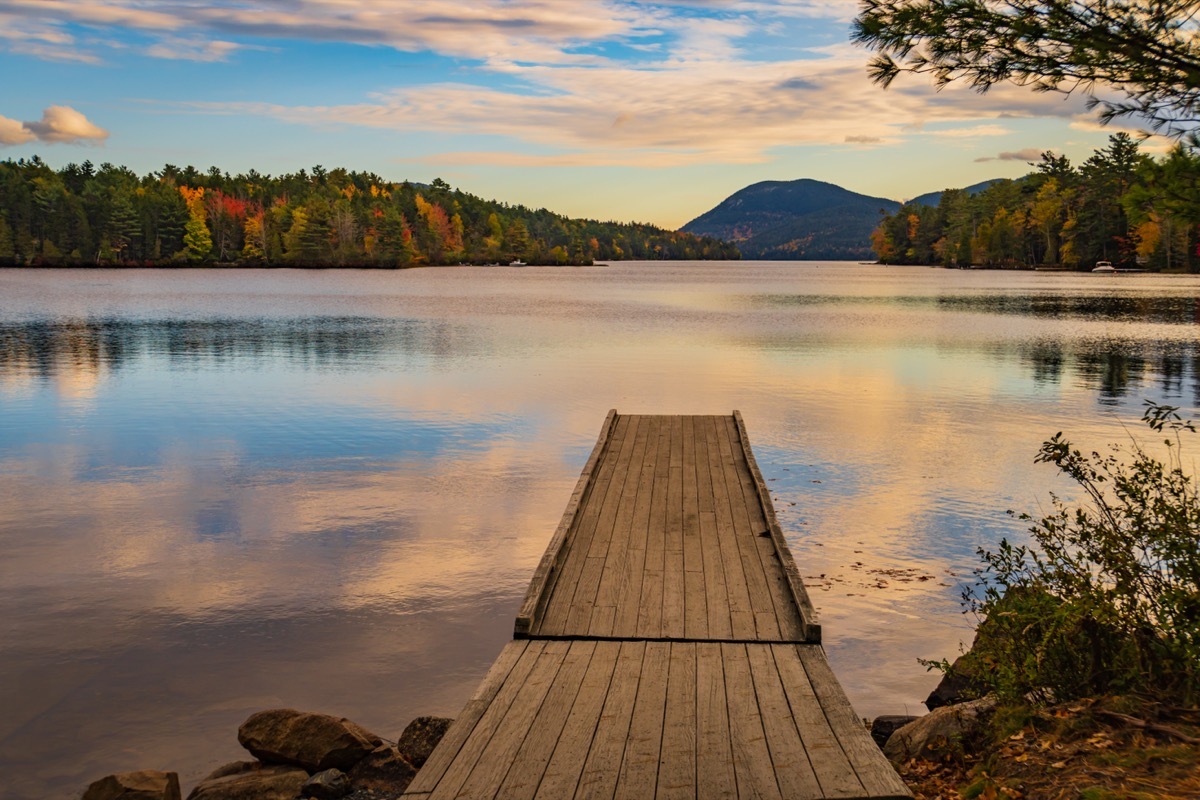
(517, 263)
(1104, 266)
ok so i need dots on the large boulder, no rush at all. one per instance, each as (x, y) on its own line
(384, 770)
(947, 726)
(146, 784)
(232, 768)
(251, 781)
(315, 742)
(958, 684)
(420, 737)
(883, 727)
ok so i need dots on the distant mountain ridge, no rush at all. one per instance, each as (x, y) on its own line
(933, 198)
(804, 219)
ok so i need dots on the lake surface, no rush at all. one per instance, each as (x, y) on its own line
(232, 490)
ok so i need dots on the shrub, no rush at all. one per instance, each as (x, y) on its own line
(1106, 596)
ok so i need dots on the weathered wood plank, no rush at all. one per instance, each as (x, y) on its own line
(571, 750)
(833, 769)
(649, 623)
(639, 764)
(716, 591)
(500, 754)
(536, 595)
(741, 614)
(751, 758)
(873, 770)
(766, 621)
(563, 581)
(529, 763)
(799, 595)
(602, 761)
(460, 767)
(583, 599)
(619, 557)
(448, 748)
(629, 595)
(793, 771)
(677, 762)
(695, 601)
(713, 748)
(787, 613)
(673, 567)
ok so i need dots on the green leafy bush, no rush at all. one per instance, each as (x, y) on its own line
(1106, 597)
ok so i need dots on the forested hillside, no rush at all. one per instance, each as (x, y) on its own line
(82, 215)
(801, 219)
(1120, 205)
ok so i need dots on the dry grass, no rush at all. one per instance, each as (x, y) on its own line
(1103, 749)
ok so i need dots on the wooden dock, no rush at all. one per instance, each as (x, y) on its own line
(666, 646)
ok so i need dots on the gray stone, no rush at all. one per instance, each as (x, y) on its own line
(420, 737)
(384, 770)
(948, 726)
(253, 781)
(315, 742)
(957, 685)
(883, 727)
(328, 785)
(146, 784)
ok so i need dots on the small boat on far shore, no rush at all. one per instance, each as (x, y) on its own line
(1104, 266)
(517, 263)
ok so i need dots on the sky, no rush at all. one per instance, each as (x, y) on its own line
(647, 112)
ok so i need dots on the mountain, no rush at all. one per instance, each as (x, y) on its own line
(802, 219)
(933, 198)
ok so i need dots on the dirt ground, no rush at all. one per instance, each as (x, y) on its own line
(1100, 749)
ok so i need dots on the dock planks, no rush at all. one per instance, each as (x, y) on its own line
(666, 647)
(669, 540)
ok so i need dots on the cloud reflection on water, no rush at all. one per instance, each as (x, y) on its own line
(330, 490)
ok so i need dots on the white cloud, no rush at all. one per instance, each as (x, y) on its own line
(540, 31)
(41, 40)
(58, 125)
(695, 89)
(14, 132)
(672, 112)
(178, 49)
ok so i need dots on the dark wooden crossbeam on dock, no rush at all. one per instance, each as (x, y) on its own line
(666, 646)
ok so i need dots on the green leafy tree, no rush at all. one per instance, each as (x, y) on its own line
(8, 245)
(197, 241)
(516, 241)
(81, 214)
(1147, 51)
(1106, 596)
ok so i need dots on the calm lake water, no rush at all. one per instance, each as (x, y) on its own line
(226, 491)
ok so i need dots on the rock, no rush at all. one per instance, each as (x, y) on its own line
(947, 726)
(957, 685)
(231, 768)
(420, 737)
(254, 781)
(315, 742)
(331, 784)
(383, 770)
(883, 727)
(146, 784)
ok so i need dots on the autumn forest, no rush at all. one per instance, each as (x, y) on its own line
(83, 215)
(1120, 205)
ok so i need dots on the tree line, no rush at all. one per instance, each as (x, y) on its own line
(1120, 205)
(83, 215)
